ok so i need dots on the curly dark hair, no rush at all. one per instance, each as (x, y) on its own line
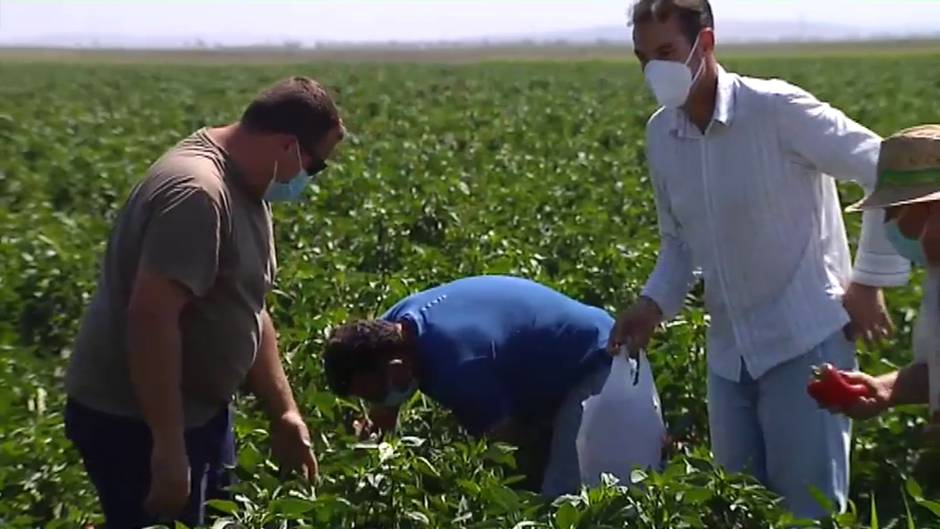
(358, 347)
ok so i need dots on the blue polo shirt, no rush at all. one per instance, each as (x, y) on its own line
(494, 347)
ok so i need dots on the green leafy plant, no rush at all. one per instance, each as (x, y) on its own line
(532, 169)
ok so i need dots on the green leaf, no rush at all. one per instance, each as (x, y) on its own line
(418, 517)
(226, 506)
(223, 523)
(505, 497)
(845, 519)
(324, 402)
(249, 458)
(913, 488)
(412, 441)
(567, 516)
(874, 513)
(291, 507)
(932, 506)
(702, 465)
(907, 511)
(469, 486)
(698, 495)
(425, 467)
(501, 454)
(821, 499)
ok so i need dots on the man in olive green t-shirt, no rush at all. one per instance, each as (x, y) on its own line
(178, 322)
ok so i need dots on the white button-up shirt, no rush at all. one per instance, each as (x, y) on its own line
(751, 205)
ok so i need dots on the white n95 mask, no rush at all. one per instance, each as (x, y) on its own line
(672, 81)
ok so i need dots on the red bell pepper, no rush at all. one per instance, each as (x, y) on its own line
(831, 390)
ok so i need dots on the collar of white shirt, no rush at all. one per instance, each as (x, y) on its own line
(724, 107)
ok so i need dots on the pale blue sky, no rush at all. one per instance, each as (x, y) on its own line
(235, 21)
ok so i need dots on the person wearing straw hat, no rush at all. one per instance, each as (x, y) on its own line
(908, 189)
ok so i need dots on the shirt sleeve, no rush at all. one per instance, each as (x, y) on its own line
(477, 397)
(181, 240)
(672, 276)
(877, 263)
(836, 145)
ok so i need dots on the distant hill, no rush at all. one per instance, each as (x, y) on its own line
(117, 40)
(731, 31)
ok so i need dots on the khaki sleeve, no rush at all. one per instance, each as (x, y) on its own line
(181, 240)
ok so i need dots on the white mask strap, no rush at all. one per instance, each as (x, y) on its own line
(692, 51)
(701, 63)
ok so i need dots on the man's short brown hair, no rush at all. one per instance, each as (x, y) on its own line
(297, 105)
(694, 15)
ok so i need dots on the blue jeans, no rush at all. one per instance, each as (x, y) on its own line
(116, 454)
(772, 429)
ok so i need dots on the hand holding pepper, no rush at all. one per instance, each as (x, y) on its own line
(855, 394)
(832, 389)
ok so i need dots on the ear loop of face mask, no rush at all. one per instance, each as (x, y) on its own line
(300, 160)
(290, 190)
(300, 164)
(701, 63)
(396, 396)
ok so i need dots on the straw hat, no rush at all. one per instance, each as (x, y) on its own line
(908, 169)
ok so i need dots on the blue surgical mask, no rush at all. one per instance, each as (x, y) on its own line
(290, 190)
(397, 397)
(910, 249)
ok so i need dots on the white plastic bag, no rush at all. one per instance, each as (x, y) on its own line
(622, 426)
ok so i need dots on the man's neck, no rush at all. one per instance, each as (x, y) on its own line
(701, 104)
(237, 142)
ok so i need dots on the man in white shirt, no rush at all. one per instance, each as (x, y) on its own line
(741, 172)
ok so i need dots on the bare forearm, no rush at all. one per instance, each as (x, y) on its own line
(154, 361)
(267, 379)
(909, 385)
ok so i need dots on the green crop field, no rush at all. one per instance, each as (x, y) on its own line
(531, 168)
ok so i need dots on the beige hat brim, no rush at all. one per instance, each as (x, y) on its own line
(885, 198)
(908, 169)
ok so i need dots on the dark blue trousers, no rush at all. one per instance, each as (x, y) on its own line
(116, 454)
